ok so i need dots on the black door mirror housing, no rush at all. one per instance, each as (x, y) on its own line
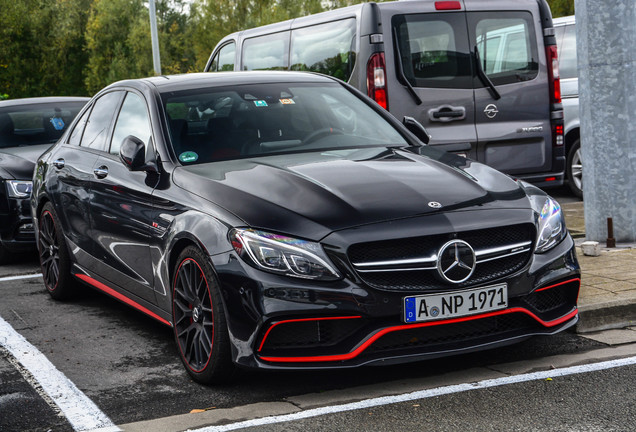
(416, 129)
(133, 155)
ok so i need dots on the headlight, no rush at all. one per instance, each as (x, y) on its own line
(550, 224)
(19, 188)
(283, 255)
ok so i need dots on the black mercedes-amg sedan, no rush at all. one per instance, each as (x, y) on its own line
(28, 127)
(284, 220)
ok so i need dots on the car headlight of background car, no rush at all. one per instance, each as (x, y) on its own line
(283, 255)
(550, 223)
(19, 188)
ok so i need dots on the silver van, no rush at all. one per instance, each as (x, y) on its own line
(566, 41)
(481, 76)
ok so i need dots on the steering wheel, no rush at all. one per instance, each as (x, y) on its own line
(319, 133)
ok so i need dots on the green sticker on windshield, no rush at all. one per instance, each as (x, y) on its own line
(260, 103)
(188, 156)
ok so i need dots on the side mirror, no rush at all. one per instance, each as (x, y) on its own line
(133, 155)
(416, 129)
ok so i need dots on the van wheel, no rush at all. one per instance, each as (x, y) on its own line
(574, 169)
(200, 328)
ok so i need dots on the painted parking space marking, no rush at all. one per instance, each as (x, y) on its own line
(79, 410)
(422, 394)
(19, 277)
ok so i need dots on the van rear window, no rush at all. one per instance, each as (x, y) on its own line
(507, 45)
(434, 50)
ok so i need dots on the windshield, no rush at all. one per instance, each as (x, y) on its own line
(38, 123)
(251, 120)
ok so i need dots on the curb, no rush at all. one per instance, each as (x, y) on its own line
(613, 314)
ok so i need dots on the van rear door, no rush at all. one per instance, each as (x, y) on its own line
(512, 120)
(434, 50)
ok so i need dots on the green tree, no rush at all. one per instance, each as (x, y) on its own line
(561, 7)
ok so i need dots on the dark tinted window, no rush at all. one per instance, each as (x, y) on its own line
(326, 48)
(38, 123)
(133, 120)
(268, 52)
(224, 59)
(434, 50)
(507, 45)
(98, 124)
(567, 59)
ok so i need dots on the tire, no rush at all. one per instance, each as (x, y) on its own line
(55, 261)
(200, 327)
(574, 169)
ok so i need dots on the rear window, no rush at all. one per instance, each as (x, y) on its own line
(326, 48)
(269, 52)
(507, 45)
(434, 50)
(36, 124)
(209, 125)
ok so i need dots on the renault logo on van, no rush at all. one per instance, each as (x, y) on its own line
(491, 111)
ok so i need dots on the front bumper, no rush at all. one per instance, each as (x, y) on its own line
(17, 233)
(280, 323)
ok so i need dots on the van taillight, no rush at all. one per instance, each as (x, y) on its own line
(376, 80)
(553, 71)
(557, 135)
(448, 5)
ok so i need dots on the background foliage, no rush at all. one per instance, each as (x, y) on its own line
(76, 47)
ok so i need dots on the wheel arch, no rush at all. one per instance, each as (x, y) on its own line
(570, 138)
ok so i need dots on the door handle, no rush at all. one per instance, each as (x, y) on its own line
(101, 172)
(446, 113)
(59, 163)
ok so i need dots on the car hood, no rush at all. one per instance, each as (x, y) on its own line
(313, 194)
(18, 162)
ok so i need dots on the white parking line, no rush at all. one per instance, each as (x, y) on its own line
(27, 276)
(80, 411)
(422, 394)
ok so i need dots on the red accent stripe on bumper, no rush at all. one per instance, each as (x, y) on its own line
(121, 297)
(380, 333)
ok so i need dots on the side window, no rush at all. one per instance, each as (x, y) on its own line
(268, 52)
(101, 117)
(567, 59)
(434, 50)
(226, 58)
(507, 46)
(76, 135)
(326, 48)
(133, 120)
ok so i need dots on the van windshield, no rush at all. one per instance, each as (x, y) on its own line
(212, 124)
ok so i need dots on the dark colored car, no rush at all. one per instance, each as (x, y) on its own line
(27, 128)
(284, 220)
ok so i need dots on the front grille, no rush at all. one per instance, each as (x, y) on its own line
(394, 277)
(465, 332)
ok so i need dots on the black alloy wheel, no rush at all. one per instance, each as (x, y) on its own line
(54, 257)
(200, 328)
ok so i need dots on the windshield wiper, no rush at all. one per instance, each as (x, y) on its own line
(484, 78)
(400, 70)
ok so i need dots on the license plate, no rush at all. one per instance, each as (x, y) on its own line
(455, 304)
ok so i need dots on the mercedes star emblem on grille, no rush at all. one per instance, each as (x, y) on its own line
(456, 261)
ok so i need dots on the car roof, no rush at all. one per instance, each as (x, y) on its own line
(42, 100)
(168, 83)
